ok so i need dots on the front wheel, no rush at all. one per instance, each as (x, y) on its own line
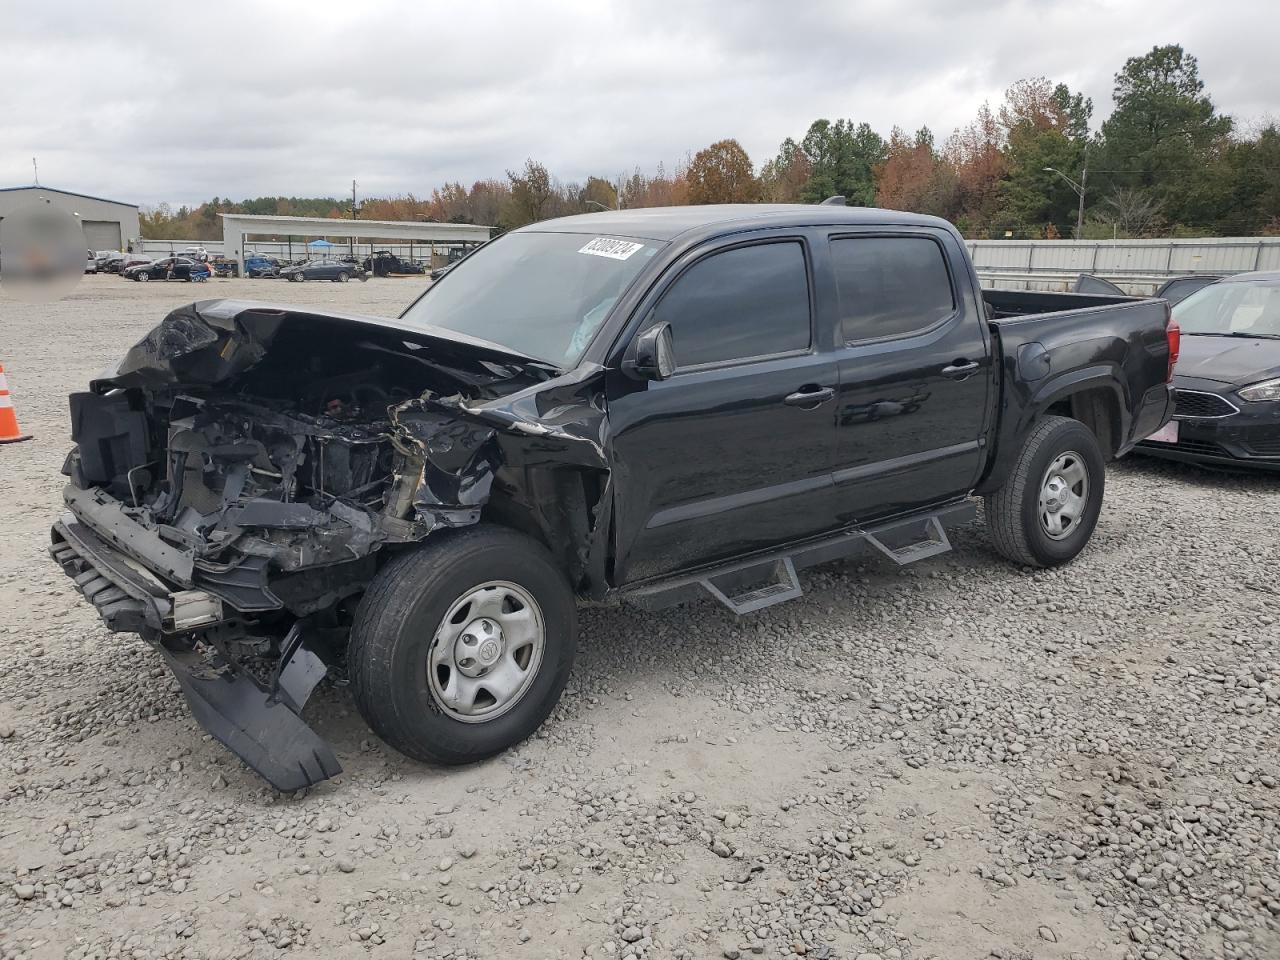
(462, 647)
(1045, 513)
(141, 276)
(341, 277)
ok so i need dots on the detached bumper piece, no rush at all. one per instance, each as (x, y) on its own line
(259, 726)
(258, 723)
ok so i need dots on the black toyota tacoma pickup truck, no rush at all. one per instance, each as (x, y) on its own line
(644, 405)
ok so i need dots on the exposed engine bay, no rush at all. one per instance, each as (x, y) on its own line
(241, 473)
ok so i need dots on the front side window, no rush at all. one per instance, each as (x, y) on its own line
(742, 303)
(890, 286)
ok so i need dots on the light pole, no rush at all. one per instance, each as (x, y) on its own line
(1079, 188)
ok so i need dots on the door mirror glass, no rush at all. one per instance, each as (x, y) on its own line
(654, 355)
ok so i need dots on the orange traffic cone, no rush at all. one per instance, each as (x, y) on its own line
(9, 432)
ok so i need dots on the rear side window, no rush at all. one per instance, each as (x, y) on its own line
(890, 286)
(742, 303)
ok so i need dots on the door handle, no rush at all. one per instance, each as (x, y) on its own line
(960, 369)
(810, 395)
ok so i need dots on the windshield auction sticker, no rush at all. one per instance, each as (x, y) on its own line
(613, 249)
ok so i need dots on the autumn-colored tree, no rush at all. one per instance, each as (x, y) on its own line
(783, 179)
(660, 190)
(531, 195)
(722, 173)
(914, 177)
(975, 153)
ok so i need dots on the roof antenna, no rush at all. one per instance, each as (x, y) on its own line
(35, 171)
(836, 201)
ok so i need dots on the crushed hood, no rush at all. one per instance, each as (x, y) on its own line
(213, 341)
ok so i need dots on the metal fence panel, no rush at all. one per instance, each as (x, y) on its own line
(1117, 259)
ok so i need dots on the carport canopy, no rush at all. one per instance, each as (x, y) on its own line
(237, 226)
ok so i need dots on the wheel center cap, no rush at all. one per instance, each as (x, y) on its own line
(1054, 491)
(479, 645)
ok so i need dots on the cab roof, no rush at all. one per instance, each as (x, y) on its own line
(667, 223)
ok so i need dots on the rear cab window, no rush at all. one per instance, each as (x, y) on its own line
(890, 287)
(740, 304)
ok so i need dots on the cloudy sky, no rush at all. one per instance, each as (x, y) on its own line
(183, 101)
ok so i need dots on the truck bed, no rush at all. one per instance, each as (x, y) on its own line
(1018, 303)
(1109, 353)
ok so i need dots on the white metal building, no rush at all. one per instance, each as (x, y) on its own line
(108, 224)
(237, 227)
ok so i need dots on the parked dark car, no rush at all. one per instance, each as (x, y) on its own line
(438, 272)
(1227, 381)
(103, 258)
(340, 271)
(384, 263)
(644, 406)
(119, 264)
(168, 268)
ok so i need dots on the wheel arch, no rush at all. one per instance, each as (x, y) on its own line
(1094, 395)
(1099, 409)
(557, 507)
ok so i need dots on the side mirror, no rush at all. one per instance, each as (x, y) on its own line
(653, 355)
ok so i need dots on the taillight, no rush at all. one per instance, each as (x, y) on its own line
(1173, 333)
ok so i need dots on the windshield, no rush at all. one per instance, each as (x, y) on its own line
(540, 294)
(1245, 309)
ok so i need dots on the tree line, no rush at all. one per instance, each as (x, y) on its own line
(1166, 162)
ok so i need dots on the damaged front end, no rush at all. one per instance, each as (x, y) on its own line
(242, 474)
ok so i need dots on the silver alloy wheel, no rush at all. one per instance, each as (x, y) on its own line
(486, 652)
(1064, 495)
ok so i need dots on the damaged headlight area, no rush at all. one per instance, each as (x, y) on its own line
(240, 475)
(239, 488)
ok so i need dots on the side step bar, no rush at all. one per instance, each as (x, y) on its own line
(745, 586)
(782, 585)
(910, 540)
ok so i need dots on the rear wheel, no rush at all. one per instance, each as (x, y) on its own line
(462, 647)
(341, 277)
(1045, 513)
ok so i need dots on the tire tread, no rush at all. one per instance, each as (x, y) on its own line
(381, 617)
(1004, 506)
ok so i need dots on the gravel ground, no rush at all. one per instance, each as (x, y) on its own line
(956, 759)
